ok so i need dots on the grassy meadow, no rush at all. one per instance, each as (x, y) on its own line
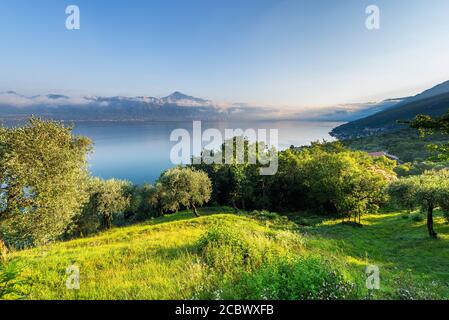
(162, 259)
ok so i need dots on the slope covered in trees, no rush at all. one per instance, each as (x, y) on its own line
(387, 120)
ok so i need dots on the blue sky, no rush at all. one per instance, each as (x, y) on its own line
(263, 52)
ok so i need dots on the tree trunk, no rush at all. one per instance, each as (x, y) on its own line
(195, 212)
(3, 251)
(107, 223)
(234, 205)
(432, 233)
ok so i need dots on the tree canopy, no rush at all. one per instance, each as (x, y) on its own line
(106, 198)
(428, 191)
(43, 179)
(428, 125)
(183, 187)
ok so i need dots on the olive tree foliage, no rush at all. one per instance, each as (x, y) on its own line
(183, 188)
(324, 178)
(144, 203)
(43, 180)
(106, 199)
(236, 178)
(428, 125)
(346, 183)
(427, 191)
(402, 194)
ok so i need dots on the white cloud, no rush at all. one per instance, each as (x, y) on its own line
(17, 100)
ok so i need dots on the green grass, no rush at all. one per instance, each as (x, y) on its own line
(160, 259)
(408, 259)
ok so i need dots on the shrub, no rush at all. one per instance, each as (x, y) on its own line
(303, 279)
(228, 251)
(417, 217)
(288, 279)
(11, 286)
(265, 215)
(265, 265)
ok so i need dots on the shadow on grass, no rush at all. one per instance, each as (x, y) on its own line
(182, 216)
(401, 245)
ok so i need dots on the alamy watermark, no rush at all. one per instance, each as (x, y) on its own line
(372, 22)
(238, 146)
(373, 277)
(73, 278)
(73, 21)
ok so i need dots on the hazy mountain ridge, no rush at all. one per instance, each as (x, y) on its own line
(61, 107)
(176, 106)
(433, 102)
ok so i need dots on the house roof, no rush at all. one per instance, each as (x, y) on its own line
(383, 154)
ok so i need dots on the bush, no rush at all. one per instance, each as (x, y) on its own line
(297, 279)
(11, 286)
(227, 251)
(265, 215)
(3, 251)
(243, 265)
(417, 217)
(288, 279)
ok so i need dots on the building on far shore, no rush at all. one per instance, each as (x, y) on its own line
(383, 154)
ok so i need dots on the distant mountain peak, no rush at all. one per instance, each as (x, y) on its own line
(179, 96)
(53, 96)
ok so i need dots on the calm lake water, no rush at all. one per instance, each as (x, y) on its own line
(139, 152)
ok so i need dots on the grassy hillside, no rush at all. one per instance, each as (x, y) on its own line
(161, 259)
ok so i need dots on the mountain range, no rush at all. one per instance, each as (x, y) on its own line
(432, 102)
(363, 118)
(175, 107)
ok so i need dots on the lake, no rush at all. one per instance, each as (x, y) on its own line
(140, 152)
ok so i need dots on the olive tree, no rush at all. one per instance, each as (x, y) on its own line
(345, 183)
(183, 187)
(429, 191)
(107, 197)
(43, 177)
(402, 193)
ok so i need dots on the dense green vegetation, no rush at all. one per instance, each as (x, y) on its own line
(131, 241)
(406, 144)
(43, 176)
(323, 178)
